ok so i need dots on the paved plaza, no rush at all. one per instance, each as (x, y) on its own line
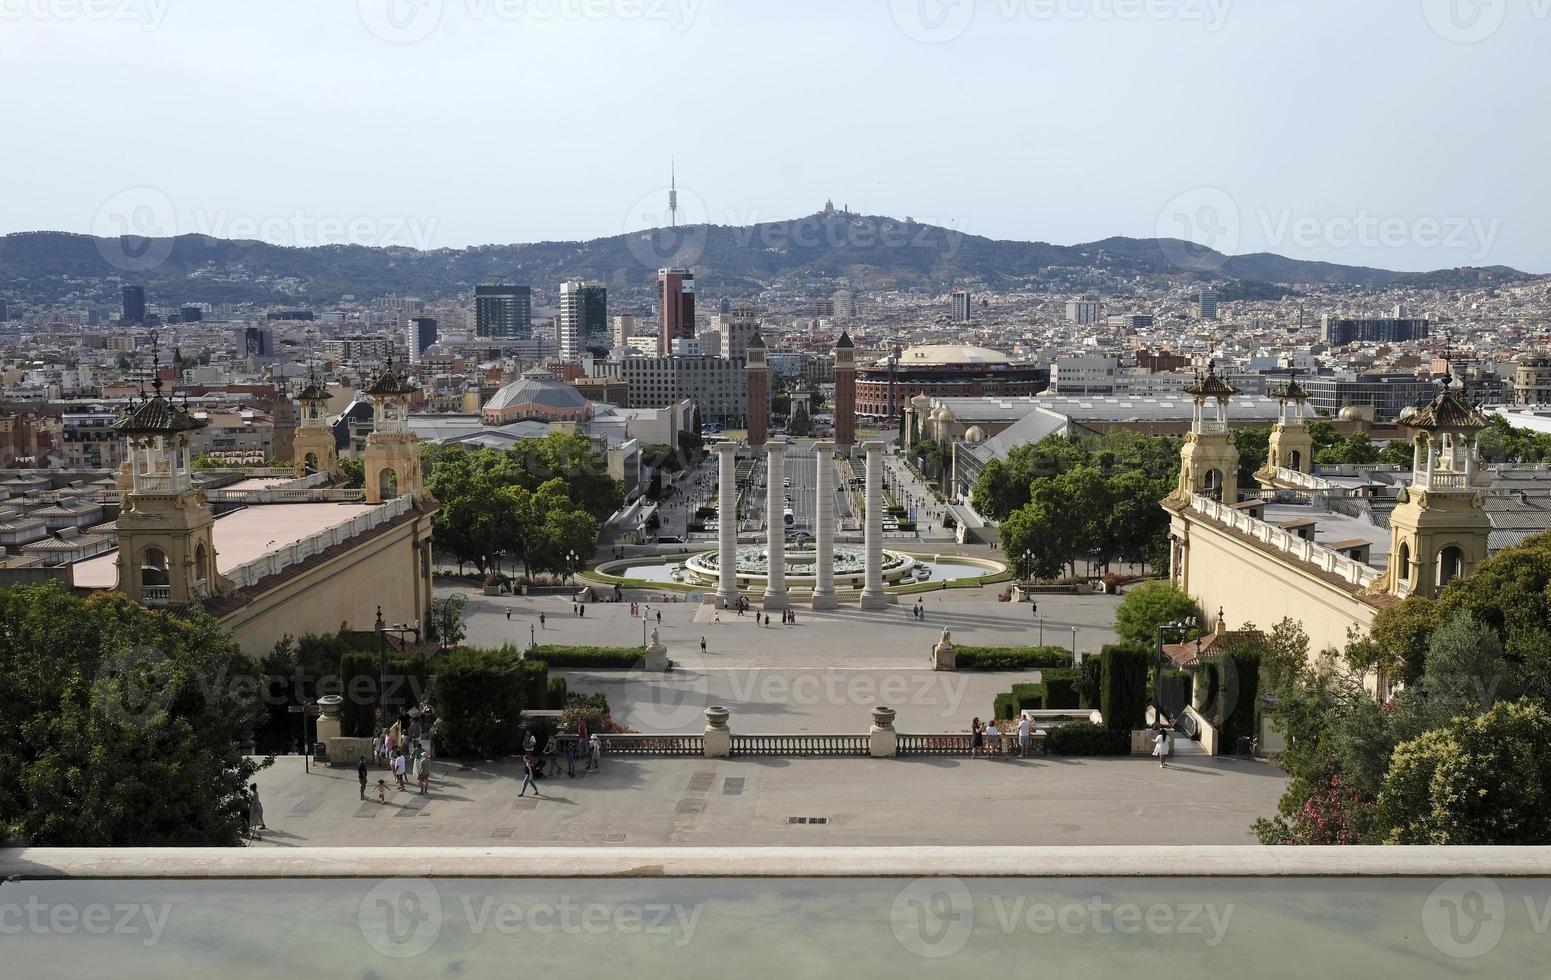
(751, 802)
(847, 637)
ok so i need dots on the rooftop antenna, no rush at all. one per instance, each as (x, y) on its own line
(673, 192)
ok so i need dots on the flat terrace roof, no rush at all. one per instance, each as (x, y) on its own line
(241, 536)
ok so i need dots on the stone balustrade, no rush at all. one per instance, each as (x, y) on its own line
(1354, 572)
(246, 575)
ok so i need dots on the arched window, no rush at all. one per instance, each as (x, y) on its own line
(1403, 563)
(310, 464)
(153, 569)
(1211, 484)
(1297, 461)
(201, 564)
(388, 483)
(1451, 564)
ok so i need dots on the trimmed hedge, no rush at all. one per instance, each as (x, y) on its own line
(1235, 680)
(535, 683)
(1013, 658)
(479, 697)
(358, 671)
(1057, 691)
(600, 658)
(1086, 738)
(557, 694)
(1123, 687)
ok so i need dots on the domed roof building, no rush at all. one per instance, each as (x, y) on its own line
(536, 395)
(887, 386)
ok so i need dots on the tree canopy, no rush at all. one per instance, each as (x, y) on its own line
(121, 726)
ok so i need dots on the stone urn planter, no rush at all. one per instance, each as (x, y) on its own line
(883, 717)
(716, 717)
(882, 740)
(718, 737)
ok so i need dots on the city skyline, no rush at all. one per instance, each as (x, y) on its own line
(1179, 126)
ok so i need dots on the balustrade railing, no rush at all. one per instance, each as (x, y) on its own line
(804, 744)
(1284, 541)
(1435, 481)
(273, 563)
(951, 744)
(156, 595)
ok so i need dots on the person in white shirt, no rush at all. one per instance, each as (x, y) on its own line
(400, 768)
(1025, 735)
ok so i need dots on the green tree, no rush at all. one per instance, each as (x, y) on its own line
(354, 470)
(121, 725)
(1254, 446)
(1482, 780)
(1149, 606)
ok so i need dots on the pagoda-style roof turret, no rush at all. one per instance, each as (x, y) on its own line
(1211, 386)
(1293, 392)
(156, 415)
(390, 383)
(314, 391)
(1448, 412)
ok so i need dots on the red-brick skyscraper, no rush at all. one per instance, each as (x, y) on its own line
(758, 391)
(845, 392)
(676, 289)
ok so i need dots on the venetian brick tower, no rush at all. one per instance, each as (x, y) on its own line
(845, 393)
(758, 392)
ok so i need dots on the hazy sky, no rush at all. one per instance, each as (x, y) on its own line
(1406, 134)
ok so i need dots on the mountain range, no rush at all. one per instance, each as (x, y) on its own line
(807, 255)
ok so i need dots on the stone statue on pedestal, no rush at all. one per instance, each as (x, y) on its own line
(944, 656)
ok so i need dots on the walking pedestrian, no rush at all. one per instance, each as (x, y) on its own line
(527, 777)
(1160, 748)
(594, 752)
(702, 646)
(1034, 608)
(570, 757)
(1025, 735)
(255, 810)
(423, 774)
(508, 614)
(400, 769)
(360, 774)
(382, 790)
(584, 610)
(659, 617)
(977, 739)
(541, 621)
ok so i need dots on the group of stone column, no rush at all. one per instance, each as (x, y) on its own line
(776, 596)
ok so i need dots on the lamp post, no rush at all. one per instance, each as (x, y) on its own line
(572, 566)
(1028, 559)
(533, 641)
(1041, 631)
(1074, 646)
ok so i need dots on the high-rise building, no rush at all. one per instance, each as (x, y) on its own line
(134, 306)
(737, 329)
(421, 335)
(1083, 312)
(503, 311)
(1207, 304)
(5, 311)
(676, 296)
(595, 317)
(844, 304)
(572, 332)
(961, 302)
(256, 342)
(1340, 331)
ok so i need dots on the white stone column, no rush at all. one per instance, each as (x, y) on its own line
(775, 514)
(727, 524)
(824, 527)
(873, 596)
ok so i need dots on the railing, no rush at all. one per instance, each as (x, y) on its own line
(155, 595)
(287, 495)
(1282, 540)
(1298, 478)
(1214, 427)
(1436, 481)
(953, 744)
(244, 576)
(816, 745)
(159, 484)
(648, 745)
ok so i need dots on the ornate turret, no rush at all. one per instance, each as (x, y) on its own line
(166, 547)
(1439, 530)
(845, 392)
(392, 451)
(758, 391)
(314, 447)
(1291, 446)
(1209, 461)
